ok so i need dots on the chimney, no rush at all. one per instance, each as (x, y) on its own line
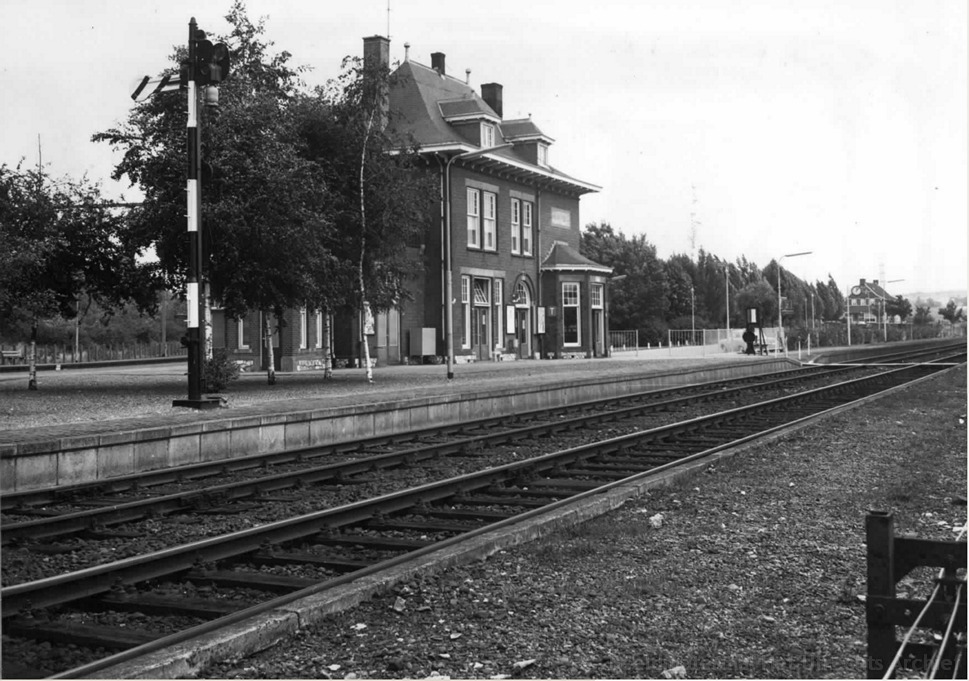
(376, 55)
(376, 52)
(862, 282)
(491, 93)
(437, 62)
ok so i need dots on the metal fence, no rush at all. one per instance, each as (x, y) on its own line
(67, 354)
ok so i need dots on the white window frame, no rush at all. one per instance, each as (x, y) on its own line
(496, 298)
(487, 135)
(303, 328)
(527, 228)
(595, 296)
(319, 329)
(516, 226)
(466, 305)
(474, 218)
(242, 342)
(490, 222)
(573, 301)
(542, 154)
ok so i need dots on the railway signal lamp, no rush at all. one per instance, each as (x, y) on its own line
(212, 62)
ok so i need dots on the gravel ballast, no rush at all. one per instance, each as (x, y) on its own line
(752, 569)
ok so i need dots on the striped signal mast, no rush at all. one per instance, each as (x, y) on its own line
(207, 66)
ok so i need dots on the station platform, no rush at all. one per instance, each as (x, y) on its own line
(303, 410)
(115, 421)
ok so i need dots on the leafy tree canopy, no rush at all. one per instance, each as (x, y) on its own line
(59, 242)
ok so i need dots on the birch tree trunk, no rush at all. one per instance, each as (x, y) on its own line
(363, 245)
(207, 335)
(327, 344)
(270, 359)
(32, 371)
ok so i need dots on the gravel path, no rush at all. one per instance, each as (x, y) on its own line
(754, 570)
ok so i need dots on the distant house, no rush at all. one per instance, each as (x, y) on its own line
(866, 302)
(504, 255)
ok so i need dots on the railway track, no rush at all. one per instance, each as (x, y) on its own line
(92, 509)
(206, 584)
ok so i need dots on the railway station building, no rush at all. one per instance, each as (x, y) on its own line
(866, 302)
(506, 250)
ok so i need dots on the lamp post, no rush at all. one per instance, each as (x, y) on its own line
(780, 315)
(884, 316)
(848, 313)
(692, 317)
(448, 284)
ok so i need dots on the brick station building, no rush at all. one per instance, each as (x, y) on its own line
(507, 242)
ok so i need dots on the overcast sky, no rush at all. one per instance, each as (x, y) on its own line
(749, 128)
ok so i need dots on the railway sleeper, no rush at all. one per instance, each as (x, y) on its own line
(250, 579)
(86, 635)
(365, 541)
(421, 525)
(465, 513)
(610, 473)
(336, 564)
(154, 604)
(487, 499)
(569, 484)
(517, 495)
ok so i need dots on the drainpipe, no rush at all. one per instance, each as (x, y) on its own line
(538, 269)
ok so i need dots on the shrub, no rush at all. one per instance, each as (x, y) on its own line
(218, 372)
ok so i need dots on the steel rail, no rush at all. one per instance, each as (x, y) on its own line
(10, 501)
(187, 501)
(94, 580)
(282, 601)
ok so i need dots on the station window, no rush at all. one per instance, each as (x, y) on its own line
(571, 319)
(242, 333)
(474, 218)
(303, 328)
(490, 218)
(516, 226)
(595, 296)
(487, 135)
(466, 312)
(527, 228)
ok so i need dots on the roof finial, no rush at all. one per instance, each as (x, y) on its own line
(406, 51)
(467, 76)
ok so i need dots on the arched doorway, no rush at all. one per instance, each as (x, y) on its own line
(522, 300)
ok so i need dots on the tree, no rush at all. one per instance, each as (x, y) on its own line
(59, 243)
(761, 296)
(952, 313)
(923, 315)
(381, 196)
(898, 306)
(678, 269)
(264, 202)
(639, 300)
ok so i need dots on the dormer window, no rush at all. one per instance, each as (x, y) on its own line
(542, 154)
(487, 135)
